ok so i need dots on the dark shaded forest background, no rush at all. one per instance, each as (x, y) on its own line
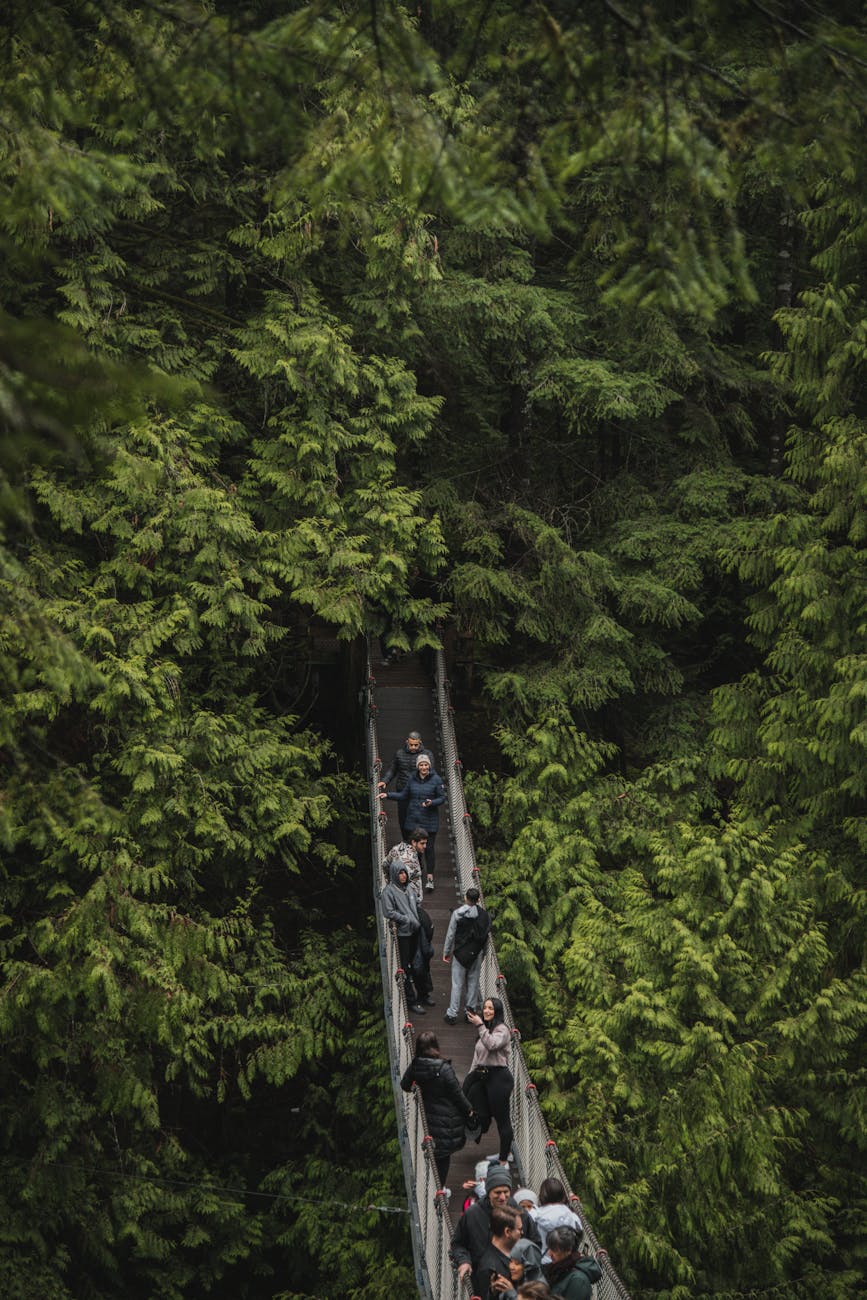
(543, 323)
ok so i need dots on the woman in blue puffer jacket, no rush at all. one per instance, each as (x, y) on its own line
(424, 793)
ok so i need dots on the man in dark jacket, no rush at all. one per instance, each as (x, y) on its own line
(472, 1236)
(400, 904)
(505, 1232)
(401, 768)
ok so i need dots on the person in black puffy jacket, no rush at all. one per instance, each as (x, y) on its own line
(445, 1104)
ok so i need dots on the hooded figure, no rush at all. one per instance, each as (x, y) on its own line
(400, 905)
(525, 1264)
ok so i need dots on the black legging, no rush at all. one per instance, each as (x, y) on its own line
(499, 1085)
(407, 945)
(430, 852)
(442, 1161)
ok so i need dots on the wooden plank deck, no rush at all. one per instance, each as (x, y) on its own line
(404, 697)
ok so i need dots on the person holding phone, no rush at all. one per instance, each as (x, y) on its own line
(525, 1266)
(421, 797)
(489, 1083)
(494, 1264)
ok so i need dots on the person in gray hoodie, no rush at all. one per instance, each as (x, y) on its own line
(466, 937)
(525, 1265)
(400, 904)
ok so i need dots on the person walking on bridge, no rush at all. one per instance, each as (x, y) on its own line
(489, 1083)
(466, 937)
(400, 904)
(445, 1105)
(410, 853)
(401, 768)
(423, 794)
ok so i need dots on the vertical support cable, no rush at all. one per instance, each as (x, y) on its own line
(536, 1153)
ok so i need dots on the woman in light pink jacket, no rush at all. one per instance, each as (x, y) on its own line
(490, 1066)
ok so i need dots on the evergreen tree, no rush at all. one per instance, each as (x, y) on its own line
(376, 316)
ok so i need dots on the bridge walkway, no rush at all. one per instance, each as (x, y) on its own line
(405, 702)
(401, 698)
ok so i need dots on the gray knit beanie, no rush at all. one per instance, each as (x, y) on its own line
(498, 1176)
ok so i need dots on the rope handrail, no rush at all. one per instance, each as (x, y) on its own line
(429, 1217)
(536, 1153)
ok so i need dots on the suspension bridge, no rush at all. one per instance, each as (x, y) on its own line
(401, 698)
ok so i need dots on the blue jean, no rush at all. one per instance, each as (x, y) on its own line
(464, 979)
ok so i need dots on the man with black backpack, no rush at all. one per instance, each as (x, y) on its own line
(469, 927)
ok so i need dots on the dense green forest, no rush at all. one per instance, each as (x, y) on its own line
(545, 324)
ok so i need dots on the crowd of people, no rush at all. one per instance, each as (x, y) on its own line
(525, 1246)
(507, 1241)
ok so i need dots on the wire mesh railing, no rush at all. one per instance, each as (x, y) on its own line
(429, 1216)
(536, 1153)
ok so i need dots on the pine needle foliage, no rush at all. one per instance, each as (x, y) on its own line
(545, 321)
